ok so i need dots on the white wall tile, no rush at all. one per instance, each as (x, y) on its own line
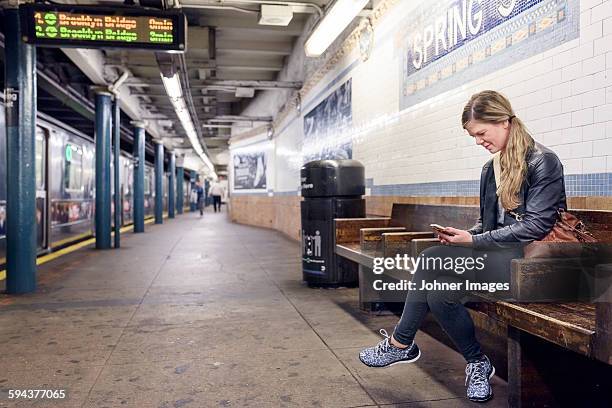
(602, 45)
(603, 147)
(594, 164)
(588, 4)
(607, 26)
(593, 65)
(582, 117)
(585, 18)
(594, 132)
(563, 89)
(573, 103)
(602, 11)
(572, 166)
(593, 98)
(602, 113)
(591, 32)
(571, 72)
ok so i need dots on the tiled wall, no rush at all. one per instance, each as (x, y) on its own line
(563, 93)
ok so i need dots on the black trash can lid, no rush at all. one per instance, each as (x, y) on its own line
(332, 164)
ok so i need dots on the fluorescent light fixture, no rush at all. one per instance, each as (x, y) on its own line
(175, 93)
(341, 13)
(245, 92)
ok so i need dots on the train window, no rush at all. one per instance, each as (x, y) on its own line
(40, 158)
(147, 182)
(73, 170)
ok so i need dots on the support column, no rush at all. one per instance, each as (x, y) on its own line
(192, 181)
(180, 193)
(117, 153)
(139, 175)
(171, 184)
(159, 180)
(20, 90)
(103, 173)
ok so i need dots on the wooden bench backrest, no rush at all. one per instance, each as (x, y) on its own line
(417, 217)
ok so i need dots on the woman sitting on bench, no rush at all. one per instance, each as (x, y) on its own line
(521, 209)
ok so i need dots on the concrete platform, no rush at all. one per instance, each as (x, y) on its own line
(200, 312)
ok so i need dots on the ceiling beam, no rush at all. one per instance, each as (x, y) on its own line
(248, 25)
(255, 47)
(250, 67)
(234, 118)
(262, 85)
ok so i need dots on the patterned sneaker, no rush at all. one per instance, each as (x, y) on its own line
(385, 354)
(477, 376)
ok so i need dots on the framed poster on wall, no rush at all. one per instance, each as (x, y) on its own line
(250, 171)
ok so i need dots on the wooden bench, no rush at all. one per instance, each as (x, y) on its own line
(583, 328)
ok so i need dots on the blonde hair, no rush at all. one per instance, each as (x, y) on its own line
(493, 107)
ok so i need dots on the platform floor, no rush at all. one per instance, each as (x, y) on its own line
(200, 312)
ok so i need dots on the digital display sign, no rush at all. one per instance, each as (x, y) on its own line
(103, 27)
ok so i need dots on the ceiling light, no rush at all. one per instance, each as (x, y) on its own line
(175, 93)
(276, 15)
(335, 20)
(245, 92)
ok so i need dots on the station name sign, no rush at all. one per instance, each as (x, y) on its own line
(103, 27)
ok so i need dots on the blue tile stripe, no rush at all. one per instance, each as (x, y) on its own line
(595, 184)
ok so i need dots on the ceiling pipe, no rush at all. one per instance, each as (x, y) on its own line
(114, 87)
(220, 4)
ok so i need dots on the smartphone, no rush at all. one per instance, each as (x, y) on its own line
(439, 228)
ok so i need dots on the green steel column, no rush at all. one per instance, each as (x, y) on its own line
(20, 104)
(139, 175)
(180, 177)
(159, 180)
(171, 184)
(116, 154)
(103, 182)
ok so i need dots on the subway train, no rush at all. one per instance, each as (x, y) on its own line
(65, 185)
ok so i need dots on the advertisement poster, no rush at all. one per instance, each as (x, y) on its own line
(250, 171)
(325, 127)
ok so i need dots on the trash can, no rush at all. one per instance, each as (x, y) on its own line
(331, 189)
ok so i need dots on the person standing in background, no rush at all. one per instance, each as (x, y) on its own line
(200, 193)
(217, 191)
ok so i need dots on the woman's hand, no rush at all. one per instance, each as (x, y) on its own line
(455, 237)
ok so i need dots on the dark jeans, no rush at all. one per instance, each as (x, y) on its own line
(201, 205)
(217, 202)
(446, 305)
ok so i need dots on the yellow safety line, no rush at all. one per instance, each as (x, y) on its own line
(56, 254)
(65, 240)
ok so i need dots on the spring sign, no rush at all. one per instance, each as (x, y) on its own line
(461, 40)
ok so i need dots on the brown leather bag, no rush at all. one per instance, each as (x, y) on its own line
(566, 239)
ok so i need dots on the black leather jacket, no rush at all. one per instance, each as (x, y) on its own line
(541, 195)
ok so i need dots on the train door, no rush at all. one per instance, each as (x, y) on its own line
(42, 199)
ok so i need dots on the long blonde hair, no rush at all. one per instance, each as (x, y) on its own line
(493, 107)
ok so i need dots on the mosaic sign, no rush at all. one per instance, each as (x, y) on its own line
(451, 42)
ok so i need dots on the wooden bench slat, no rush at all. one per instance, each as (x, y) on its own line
(347, 229)
(371, 238)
